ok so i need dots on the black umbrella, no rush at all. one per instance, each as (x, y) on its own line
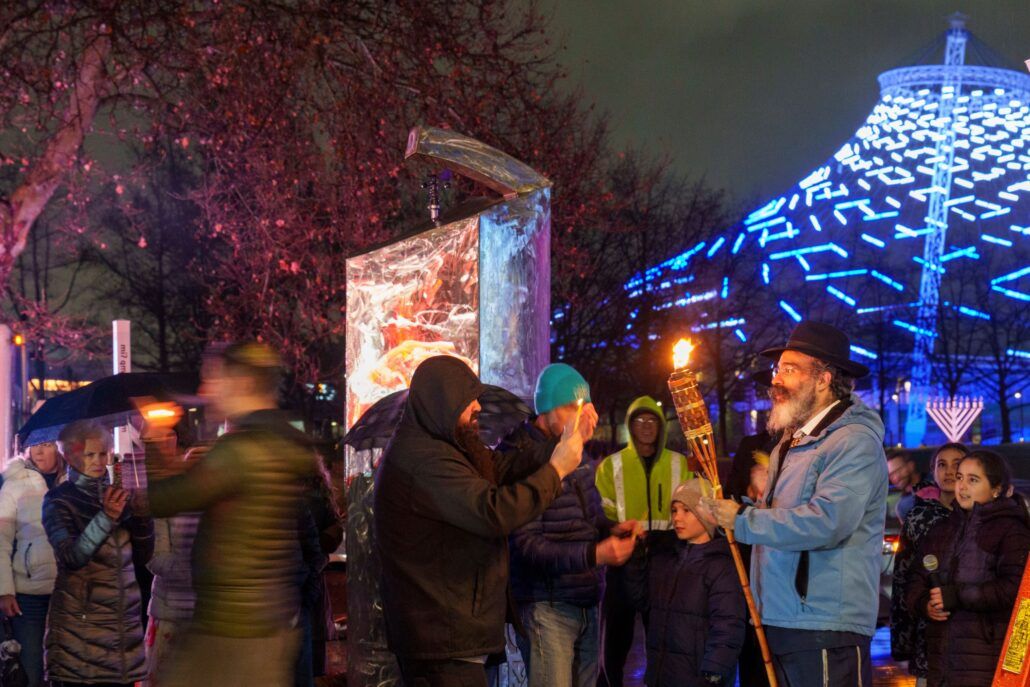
(108, 398)
(502, 411)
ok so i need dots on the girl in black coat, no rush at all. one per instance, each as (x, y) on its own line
(979, 552)
(690, 588)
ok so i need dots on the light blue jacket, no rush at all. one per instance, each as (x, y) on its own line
(829, 501)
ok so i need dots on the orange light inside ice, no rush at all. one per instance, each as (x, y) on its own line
(681, 353)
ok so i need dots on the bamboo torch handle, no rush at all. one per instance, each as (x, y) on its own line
(752, 609)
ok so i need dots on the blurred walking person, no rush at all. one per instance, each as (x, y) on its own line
(247, 560)
(27, 566)
(94, 632)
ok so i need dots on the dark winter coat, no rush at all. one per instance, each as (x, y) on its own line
(441, 528)
(94, 631)
(908, 630)
(250, 487)
(553, 558)
(981, 554)
(697, 609)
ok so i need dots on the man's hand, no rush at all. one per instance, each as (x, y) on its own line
(615, 550)
(627, 528)
(935, 606)
(568, 454)
(588, 422)
(724, 510)
(9, 605)
(114, 502)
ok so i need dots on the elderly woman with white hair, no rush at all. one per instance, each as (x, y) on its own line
(94, 631)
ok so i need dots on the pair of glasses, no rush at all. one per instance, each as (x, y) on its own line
(646, 420)
(792, 370)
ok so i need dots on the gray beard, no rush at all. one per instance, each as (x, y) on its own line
(793, 411)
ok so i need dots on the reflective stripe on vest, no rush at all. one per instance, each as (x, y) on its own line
(620, 488)
(675, 467)
(656, 525)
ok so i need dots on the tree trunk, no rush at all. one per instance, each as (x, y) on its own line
(45, 175)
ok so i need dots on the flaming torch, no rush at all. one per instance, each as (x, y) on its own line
(697, 429)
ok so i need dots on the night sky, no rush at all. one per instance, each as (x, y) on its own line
(754, 94)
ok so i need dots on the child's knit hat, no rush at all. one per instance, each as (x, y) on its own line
(689, 493)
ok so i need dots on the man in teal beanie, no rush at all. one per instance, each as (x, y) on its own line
(558, 559)
(560, 385)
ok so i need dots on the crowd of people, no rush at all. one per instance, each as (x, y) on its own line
(235, 534)
(571, 554)
(471, 538)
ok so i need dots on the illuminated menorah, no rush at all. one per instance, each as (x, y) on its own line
(954, 415)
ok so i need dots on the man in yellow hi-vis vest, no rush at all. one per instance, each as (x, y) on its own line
(635, 483)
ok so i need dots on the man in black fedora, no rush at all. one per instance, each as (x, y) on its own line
(817, 531)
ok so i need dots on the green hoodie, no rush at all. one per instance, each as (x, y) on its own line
(628, 490)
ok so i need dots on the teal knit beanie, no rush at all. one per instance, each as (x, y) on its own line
(558, 385)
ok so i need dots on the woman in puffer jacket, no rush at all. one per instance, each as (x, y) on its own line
(690, 588)
(979, 552)
(94, 631)
(27, 567)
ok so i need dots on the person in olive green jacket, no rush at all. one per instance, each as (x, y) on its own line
(635, 483)
(248, 561)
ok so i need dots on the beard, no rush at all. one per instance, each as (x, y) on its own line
(790, 409)
(479, 454)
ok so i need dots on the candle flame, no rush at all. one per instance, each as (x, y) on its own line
(681, 353)
(155, 413)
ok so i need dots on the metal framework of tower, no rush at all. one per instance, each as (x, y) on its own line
(922, 214)
(937, 221)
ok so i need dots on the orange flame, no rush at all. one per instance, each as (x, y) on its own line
(681, 353)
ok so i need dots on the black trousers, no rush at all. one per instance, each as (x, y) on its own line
(619, 620)
(443, 673)
(845, 666)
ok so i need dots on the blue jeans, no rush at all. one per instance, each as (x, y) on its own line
(561, 645)
(28, 630)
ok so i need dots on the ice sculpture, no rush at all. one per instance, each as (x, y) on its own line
(474, 283)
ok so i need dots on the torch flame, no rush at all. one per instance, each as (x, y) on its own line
(681, 353)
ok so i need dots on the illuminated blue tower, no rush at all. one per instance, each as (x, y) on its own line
(937, 222)
(929, 196)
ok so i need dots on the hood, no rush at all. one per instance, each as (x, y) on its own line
(16, 470)
(441, 388)
(275, 422)
(858, 413)
(718, 546)
(1000, 509)
(20, 468)
(648, 404)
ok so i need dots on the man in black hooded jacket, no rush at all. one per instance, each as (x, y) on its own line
(444, 506)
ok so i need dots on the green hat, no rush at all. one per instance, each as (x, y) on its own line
(559, 384)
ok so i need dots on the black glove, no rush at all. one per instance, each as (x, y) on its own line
(711, 678)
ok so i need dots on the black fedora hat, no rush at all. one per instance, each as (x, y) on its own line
(822, 341)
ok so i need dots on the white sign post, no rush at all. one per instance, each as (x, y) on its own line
(122, 362)
(6, 409)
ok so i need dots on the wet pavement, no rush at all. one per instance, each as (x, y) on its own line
(886, 672)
